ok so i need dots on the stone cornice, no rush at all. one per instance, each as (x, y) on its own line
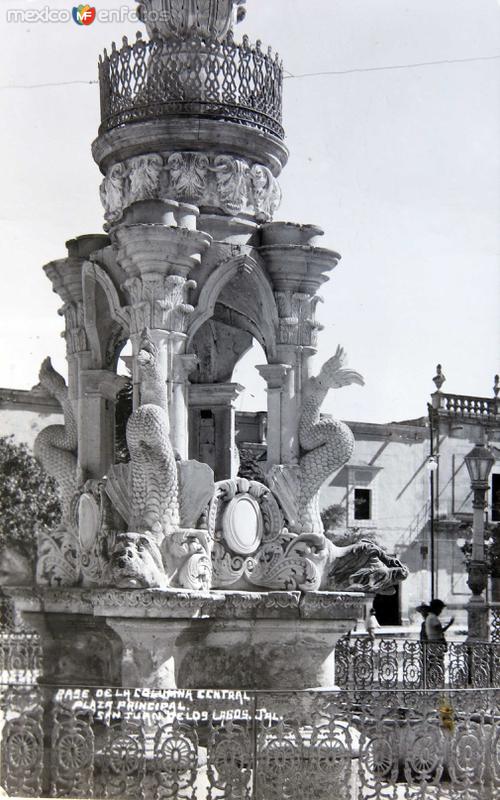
(200, 135)
(180, 604)
(28, 400)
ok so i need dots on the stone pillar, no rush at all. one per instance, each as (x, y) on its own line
(278, 395)
(477, 608)
(96, 421)
(158, 247)
(297, 269)
(183, 365)
(212, 430)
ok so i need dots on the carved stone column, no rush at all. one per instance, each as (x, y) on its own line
(212, 416)
(297, 269)
(183, 365)
(158, 247)
(65, 276)
(96, 421)
(278, 394)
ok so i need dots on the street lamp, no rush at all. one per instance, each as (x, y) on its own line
(479, 464)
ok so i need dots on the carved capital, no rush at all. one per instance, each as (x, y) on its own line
(74, 332)
(297, 318)
(158, 301)
(233, 185)
(214, 394)
(274, 375)
(298, 268)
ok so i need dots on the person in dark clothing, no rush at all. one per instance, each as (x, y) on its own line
(435, 645)
(424, 610)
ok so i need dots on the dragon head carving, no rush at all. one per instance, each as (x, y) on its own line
(153, 388)
(51, 380)
(333, 375)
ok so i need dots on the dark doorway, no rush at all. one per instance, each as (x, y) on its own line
(387, 608)
(495, 498)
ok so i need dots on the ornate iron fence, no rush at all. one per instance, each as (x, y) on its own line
(210, 745)
(162, 77)
(495, 623)
(20, 657)
(363, 663)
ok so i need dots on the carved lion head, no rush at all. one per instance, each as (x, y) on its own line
(137, 563)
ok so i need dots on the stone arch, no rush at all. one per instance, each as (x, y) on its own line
(238, 293)
(106, 321)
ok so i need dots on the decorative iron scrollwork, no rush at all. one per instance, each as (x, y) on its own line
(163, 77)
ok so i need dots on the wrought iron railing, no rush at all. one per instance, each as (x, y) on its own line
(495, 623)
(176, 76)
(202, 745)
(380, 663)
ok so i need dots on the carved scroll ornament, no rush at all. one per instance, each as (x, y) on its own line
(222, 181)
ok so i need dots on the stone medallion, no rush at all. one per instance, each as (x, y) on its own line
(242, 525)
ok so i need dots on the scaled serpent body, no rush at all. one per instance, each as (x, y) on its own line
(154, 486)
(55, 447)
(326, 443)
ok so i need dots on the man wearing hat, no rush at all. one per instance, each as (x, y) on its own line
(435, 645)
(434, 630)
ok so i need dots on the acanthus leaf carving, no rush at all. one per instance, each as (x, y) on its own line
(224, 181)
(143, 176)
(112, 192)
(232, 181)
(297, 318)
(174, 312)
(187, 176)
(159, 301)
(74, 333)
(265, 192)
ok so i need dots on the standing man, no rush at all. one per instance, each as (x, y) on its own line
(434, 630)
(423, 609)
(435, 645)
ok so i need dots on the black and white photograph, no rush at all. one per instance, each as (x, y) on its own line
(250, 399)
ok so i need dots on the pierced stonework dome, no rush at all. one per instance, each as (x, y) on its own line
(207, 18)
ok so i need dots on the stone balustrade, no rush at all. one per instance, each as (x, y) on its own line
(466, 407)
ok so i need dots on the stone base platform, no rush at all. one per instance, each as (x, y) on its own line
(180, 639)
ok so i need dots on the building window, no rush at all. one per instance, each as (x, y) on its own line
(495, 498)
(362, 504)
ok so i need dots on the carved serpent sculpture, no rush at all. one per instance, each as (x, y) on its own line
(327, 443)
(154, 489)
(147, 493)
(56, 446)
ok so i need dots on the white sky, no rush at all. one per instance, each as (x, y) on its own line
(400, 167)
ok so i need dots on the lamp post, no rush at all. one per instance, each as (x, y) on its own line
(479, 463)
(432, 466)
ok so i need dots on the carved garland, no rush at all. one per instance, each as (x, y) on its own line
(219, 181)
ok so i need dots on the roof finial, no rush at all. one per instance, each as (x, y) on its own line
(439, 378)
(496, 386)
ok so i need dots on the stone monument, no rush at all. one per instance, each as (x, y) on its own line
(169, 569)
